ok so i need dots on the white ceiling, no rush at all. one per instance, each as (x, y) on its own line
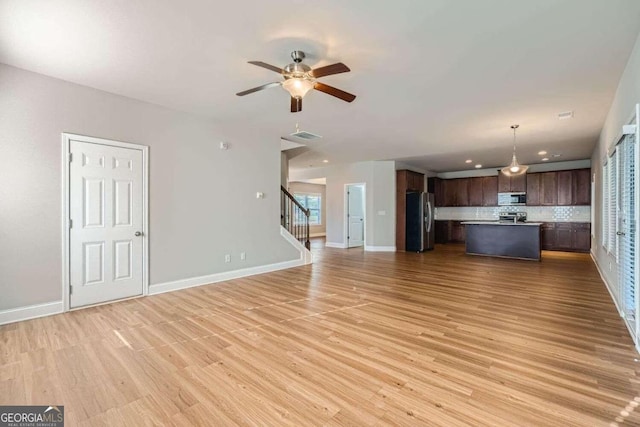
(438, 81)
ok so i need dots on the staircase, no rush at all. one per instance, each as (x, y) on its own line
(294, 217)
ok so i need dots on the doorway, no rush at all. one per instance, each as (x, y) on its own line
(104, 220)
(355, 197)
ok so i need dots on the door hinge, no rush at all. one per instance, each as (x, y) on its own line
(70, 157)
(70, 290)
(70, 223)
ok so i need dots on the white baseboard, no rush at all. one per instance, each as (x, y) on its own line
(380, 248)
(317, 234)
(335, 245)
(607, 285)
(161, 288)
(305, 258)
(30, 312)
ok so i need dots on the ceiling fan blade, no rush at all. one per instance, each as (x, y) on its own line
(267, 66)
(330, 90)
(329, 70)
(296, 104)
(256, 89)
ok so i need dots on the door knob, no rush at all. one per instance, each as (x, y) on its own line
(138, 233)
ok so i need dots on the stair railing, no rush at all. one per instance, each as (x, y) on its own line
(294, 217)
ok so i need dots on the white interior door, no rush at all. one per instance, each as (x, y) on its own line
(106, 210)
(355, 215)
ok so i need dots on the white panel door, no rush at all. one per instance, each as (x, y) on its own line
(355, 215)
(105, 207)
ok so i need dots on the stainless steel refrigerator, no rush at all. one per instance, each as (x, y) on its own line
(420, 231)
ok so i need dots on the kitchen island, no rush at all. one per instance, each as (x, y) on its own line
(520, 240)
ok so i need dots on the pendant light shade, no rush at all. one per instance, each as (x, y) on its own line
(515, 168)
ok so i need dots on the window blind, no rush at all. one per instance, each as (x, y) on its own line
(612, 245)
(605, 205)
(627, 224)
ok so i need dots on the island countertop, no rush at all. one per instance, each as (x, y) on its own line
(501, 223)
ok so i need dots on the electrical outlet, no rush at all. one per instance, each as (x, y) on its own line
(227, 258)
(243, 256)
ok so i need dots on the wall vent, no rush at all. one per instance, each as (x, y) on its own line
(565, 115)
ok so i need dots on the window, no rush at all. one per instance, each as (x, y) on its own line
(313, 202)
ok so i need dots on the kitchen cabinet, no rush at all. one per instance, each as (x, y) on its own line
(475, 191)
(410, 181)
(581, 237)
(489, 191)
(456, 232)
(581, 187)
(548, 236)
(512, 184)
(438, 195)
(442, 232)
(456, 192)
(462, 192)
(533, 189)
(566, 236)
(548, 189)
(565, 186)
(561, 188)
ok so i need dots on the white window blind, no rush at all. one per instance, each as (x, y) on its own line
(627, 223)
(605, 205)
(613, 204)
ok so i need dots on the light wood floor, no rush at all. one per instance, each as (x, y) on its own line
(356, 339)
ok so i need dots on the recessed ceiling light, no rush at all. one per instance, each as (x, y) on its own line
(468, 161)
(478, 166)
(325, 161)
(542, 153)
(544, 159)
(565, 115)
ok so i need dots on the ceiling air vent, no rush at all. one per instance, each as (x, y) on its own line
(303, 134)
(565, 115)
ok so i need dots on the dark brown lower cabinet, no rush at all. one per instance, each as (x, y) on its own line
(548, 237)
(450, 232)
(442, 231)
(566, 236)
(457, 233)
(555, 236)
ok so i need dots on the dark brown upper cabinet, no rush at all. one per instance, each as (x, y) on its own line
(533, 189)
(489, 191)
(581, 187)
(565, 186)
(475, 189)
(512, 184)
(548, 189)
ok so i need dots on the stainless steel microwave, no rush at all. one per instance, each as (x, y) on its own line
(512, 199)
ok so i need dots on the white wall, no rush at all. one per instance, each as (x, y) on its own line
(622, 109)
(380, 217)
(202, 199)
(303, 187)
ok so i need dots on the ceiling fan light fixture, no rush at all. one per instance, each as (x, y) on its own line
(515, 168)
(297, 87)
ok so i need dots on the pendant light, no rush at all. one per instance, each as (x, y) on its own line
(515, 168)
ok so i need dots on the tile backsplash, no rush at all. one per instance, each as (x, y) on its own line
(534, 213)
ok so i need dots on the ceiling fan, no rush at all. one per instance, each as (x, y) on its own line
(299, 79)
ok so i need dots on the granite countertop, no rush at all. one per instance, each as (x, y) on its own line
(537, 224)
